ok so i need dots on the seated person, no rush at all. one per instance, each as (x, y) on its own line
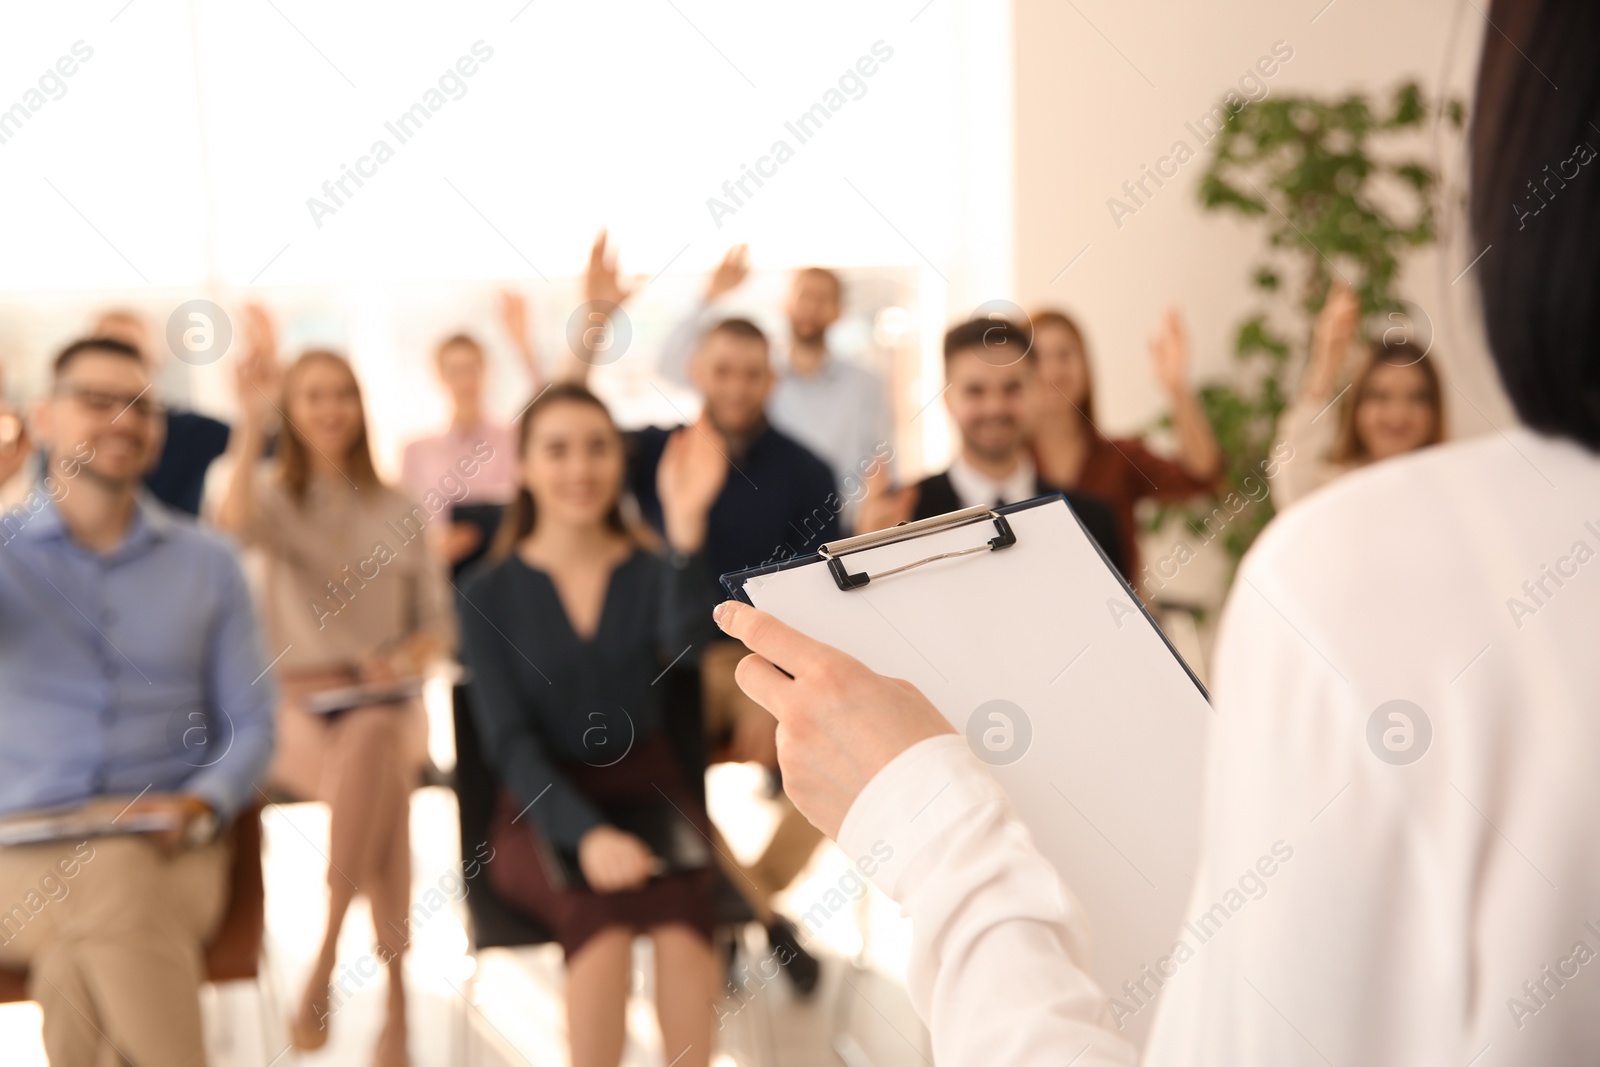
(193, 440)
(992, 374)
(473, 460)
(1072, 452)
(778, 500)
(125, 631)
(833, 405)
(572, 624)
(351, 593)
(1393, 405)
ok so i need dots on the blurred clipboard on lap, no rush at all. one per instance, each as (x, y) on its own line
(1012, 622)
(102, 817)
(364, 694)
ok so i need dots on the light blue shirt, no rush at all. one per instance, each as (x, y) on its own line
(140, 668)
(840, 411)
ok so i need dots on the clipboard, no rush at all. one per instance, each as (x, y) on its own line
(1014, 624)
(99, 817)
(362, 694)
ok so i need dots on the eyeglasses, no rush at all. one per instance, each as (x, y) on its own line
(115, 404)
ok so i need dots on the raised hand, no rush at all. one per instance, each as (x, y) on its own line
(1335, 328)
(690, 476)
(256, 380)
(514, 313)
(601, 281)
(259, 335)
(730, 273)
(515, 319)
(1169, 349)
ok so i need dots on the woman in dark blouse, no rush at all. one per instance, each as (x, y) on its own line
(1071, 451)
(565, 635)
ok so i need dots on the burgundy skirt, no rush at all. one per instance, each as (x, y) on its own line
(574, 915)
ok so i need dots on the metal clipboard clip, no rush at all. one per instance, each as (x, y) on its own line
(835, 551)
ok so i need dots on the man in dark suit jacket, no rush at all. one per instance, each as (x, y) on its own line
(990, 371)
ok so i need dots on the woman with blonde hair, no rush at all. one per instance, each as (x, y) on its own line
(350, 594)
(1393, 405)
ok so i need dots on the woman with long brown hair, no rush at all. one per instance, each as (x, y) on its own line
(1073, 453)
(350, 594)
(1393, 405)
(567, 633)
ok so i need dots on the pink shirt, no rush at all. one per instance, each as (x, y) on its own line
(477, 465)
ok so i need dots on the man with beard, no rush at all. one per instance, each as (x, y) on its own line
(991, 377)
(833, 406)
(193, 440)
(132, 678)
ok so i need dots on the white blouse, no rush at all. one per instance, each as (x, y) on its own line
(1409, 883)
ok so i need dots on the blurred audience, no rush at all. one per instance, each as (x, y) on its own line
(992, 394)
(441, 463)
(192, 440)
(1393, 405)
(352, 594)
(778, 500)
(834, 406)
(571, 627)
(125, 631)
(1071, 451)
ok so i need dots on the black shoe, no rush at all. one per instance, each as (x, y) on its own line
(803, 969)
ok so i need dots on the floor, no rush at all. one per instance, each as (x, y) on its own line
(504, 1008)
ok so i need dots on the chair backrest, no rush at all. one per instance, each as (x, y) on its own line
(495, 924)
(235, 951)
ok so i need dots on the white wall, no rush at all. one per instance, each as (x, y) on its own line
(1103, 87)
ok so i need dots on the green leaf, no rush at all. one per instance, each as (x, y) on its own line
(1315, 175)
(1409, 109)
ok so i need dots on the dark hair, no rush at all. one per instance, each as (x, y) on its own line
(294, 454)
(1062, 320)
(743, 329)
(1348, 447)
(521, 514)
(457, 340)
(108, 345)
(1540, 273)
(987, 333)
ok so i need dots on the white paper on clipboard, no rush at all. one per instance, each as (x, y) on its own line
(1040, 654)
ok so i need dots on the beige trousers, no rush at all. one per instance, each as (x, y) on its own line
(112, 933)
(795, 838)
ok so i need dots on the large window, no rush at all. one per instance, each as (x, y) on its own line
(374, 171)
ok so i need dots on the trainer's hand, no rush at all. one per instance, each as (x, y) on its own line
(838, 722)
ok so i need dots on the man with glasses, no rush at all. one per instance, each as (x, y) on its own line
(193, 441)
(132, 678)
